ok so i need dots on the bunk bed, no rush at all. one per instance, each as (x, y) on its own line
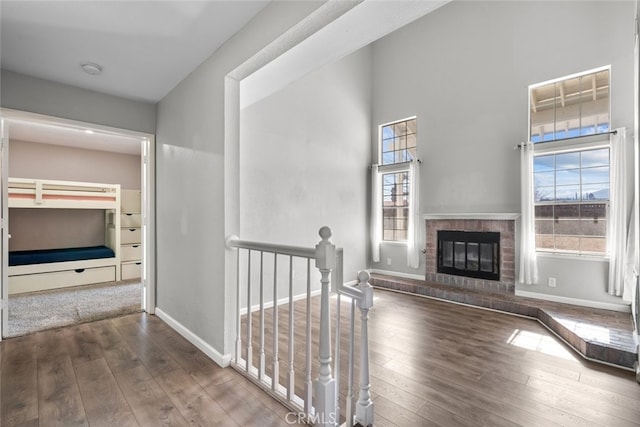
(36, 270)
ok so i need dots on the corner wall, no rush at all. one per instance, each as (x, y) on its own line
(190, 178)
(304, 161)
(464, 70)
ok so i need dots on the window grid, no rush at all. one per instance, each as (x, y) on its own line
(571, 201)
(395, 206)
(398, 142)
(571, 107)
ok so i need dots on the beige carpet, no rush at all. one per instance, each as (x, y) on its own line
(38, 311)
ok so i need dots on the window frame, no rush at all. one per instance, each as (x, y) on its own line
(573, 145)
(561, 79)
(394, 168)
(577, 143)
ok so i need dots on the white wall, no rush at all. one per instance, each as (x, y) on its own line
(190, 172)
(304, 159)
(464, 70)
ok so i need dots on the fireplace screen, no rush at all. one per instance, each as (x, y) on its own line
(469, 253)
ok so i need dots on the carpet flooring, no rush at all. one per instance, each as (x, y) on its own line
(37, 311)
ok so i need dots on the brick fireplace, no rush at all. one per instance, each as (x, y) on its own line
(498, 223)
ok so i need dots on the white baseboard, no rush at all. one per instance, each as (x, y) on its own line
(221, 359)
(397, 273)
(624, 308)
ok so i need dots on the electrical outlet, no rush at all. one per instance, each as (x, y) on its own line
(552, 282)
(388, 261)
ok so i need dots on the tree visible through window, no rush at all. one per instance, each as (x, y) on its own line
(398, 148)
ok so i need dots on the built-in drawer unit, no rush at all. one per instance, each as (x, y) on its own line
(133, 220)
(61, 279)
(130, 201)
(131, 270)
(130, 235)
(131, 252)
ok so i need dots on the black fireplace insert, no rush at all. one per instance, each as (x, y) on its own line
(469, 253)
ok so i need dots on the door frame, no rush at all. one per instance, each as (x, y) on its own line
(4, 228)
(147, 185)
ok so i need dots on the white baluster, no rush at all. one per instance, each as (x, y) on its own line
(261, 362)
(238, 315)
(349, 406)
(308, 386)
(249, 331)
(276, 362)
(325, 397)
(364, 407)
(291, 375)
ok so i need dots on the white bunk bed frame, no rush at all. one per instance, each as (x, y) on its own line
(51, 194)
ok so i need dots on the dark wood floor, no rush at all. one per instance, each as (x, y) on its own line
(433, 363)
(128, 371)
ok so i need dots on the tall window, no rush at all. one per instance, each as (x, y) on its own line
(397, 149)
(571, 179)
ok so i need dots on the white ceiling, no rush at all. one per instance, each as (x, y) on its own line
(145, 47)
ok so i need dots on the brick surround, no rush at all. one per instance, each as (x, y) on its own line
(506, 228)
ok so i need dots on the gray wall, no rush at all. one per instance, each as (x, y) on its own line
(190, 172)
(464, 70)
(304, 158)
(58, 228)
(25, 93)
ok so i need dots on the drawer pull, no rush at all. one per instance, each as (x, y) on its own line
(132, 229)
(129, 214)
(138, 263)
(79, 270)
(135, 246)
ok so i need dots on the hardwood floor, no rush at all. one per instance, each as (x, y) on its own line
(432, 363)
(128, 371)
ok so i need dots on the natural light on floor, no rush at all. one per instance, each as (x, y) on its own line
(540, 343)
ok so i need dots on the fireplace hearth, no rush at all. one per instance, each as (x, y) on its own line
(469, 253)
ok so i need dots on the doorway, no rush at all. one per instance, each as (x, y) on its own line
(43, 142)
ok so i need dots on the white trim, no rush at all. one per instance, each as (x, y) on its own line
(623, 308)
(569, 145)
(571, 76)
(281, 301)
(147, 298)
(572, 256)
(397, 274)
(485, 215)
(221, 359)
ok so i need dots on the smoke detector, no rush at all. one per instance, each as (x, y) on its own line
(91, 68)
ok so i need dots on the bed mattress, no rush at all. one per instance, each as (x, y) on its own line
(44, 256)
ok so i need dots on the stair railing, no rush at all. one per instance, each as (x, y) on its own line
(317, 402)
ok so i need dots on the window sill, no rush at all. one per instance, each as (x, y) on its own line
(572, 257)
(393, 243)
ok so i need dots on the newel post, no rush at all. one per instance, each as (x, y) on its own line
(364, 407)
(325, 384)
